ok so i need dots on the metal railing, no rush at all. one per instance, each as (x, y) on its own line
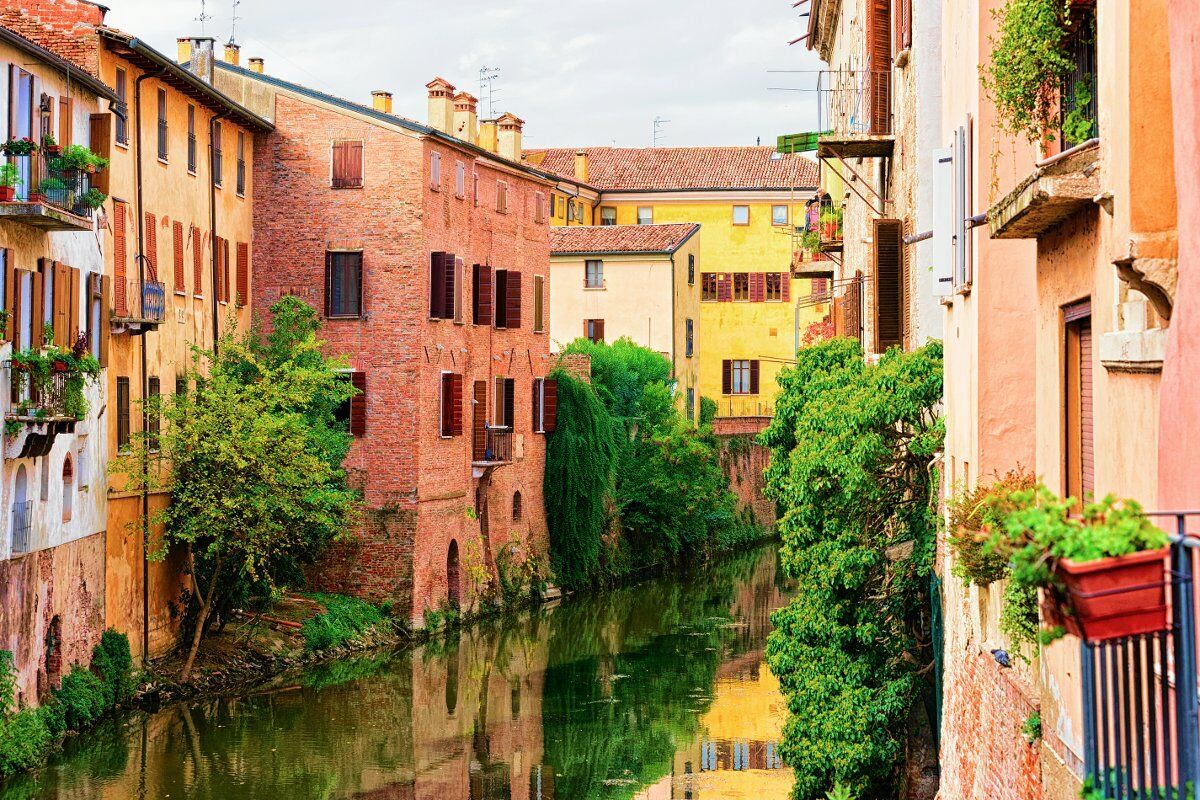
(63, 188)
(497, 448)
(22, 526)
(1141, 715)
(830, 224)
(745, 406)
(854, 101)
(33, 398)
(140, 300)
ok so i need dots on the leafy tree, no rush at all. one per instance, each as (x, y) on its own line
(621, 371)
(851, 446)
(251, 462)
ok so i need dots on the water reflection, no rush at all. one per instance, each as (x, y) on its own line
(653, 691)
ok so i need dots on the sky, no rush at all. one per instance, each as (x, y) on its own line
(579, 72)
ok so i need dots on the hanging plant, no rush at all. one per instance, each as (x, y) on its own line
(1029, 66)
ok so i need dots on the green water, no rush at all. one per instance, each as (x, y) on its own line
(652, 691)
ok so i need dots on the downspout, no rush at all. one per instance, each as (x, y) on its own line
(212, 221)
(141, 222)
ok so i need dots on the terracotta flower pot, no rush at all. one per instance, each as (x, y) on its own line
(1056, 612)
(60, 366)
(52, 149)
(1117, 597)
(37, 197)
(7, 193)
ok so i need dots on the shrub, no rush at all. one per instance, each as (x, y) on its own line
(24, 741)
(972, 514)
(83, 698)
(113, 663)
(344, 618)
(708, 410)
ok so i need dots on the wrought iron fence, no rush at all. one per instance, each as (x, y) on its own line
(141, 300)
(41, 181)
(854, 101)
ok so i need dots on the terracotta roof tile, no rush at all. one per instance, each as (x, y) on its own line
(681, 168)
(621, 238)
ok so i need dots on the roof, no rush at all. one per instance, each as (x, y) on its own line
(147, 58)
(664, 169)
(619, 239)
(76, 74)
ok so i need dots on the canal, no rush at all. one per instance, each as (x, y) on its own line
(657, 690)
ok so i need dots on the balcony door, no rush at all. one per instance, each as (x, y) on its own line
(21, 111)
(479, 422)
(1079, 457)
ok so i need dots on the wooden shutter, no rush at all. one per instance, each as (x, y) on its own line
(120, 249)
(437, 285)
(100, 142)
(889, 289)
(724, 287)
(37, 311)
(243, 273)
(535, 416)
(105, 329)
(177, 240)
(450, 285)
(151, 253)
(358, 404)
(225, 270)
(877, 82)
(446, 403)
(758, 287)
(514, 300)
(785, 286)
(599, 329)
(549, 405)
(347, 165)
(66, 116)
(510, 418)
(62, 296)
(906, 287)
(197, 262)
(539, 303)
(456, 405)
(726, 376)
(10, 294)
(754, 376)
(479, 422)
(482, 289)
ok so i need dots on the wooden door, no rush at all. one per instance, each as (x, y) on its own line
(479, 422)
(1079, 455)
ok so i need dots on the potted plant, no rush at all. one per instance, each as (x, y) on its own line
(46, 188)
(50, 146)
(19, 147)
(10, 178)
(77, 158)
(93, 198)
(831, 225)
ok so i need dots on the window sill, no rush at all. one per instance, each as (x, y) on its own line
(342, 317)
(192, 172)
(197, 297)
(595, 288)
(342, 188)
(164, 161)
(241, 195)
(122, 145)
(180, 294)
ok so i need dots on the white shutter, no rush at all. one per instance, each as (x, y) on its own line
(943, 222)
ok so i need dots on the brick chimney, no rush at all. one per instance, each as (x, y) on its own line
(581, 166)
(256, 65)
(203, 53)
(509, 145)
(381, 101)
(489, 134)
(233, 53)
(466, 118)
(441, 104)
(183, 50)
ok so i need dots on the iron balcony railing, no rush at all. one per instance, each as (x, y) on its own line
(34, 400)
(22, 526)
(854, 102)
(140, 300)
(63, 188)
(1141, 716)
(497, 447)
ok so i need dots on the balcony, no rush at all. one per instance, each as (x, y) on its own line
(492, 449)
(41, 411)
(50, 199)
(138, 306)
(1058, 188)
(854, 114)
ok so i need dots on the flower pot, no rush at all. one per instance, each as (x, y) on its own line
(52, 149)
(7, 193)
(1117, 597)
(1056, 612)
(60, 366)
(37, 197)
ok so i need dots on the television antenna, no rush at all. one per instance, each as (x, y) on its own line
(659, 133)
(233, 28)
(204, 16)
(487, 88)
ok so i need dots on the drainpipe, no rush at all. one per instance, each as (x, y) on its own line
(212, 220)
(141, 260)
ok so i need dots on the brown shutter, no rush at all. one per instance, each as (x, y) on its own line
(358, 404)
(726, 376)
(105, 328)
(879, 60)
(514, 300)
(758, 287)
(225, 270)
(10, 294)
(510, 418)
(347, 165)
(456, 405)
(197, 262)
(785, 286)
(243, 273)
(73, 307)
(445, 403)
(437, 285)
(449, 267)
(151, 247)
(754, 376)
(37, 311)
(479, 422)
(483, 294)
(62, 295)
(328, 282)
(177, 240)
(889, 291)
(120, 250)
(536, 404)
(100, 141)
(724, 287)
(905, 288)
(1087, 437)
(549, 405)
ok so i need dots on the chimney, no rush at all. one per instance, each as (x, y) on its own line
(581, 166)
(466, 118)
(441, 104)
(510, 136)
(232, 53)
(381, 101)
(256, 65)
(202, 54)
(488, 135)
(183, 50)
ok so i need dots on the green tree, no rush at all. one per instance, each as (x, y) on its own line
(249, 457)
(851, 448)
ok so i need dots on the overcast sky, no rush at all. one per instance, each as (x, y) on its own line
(580, 72)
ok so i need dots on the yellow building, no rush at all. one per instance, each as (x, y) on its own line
(609, 282)
(178, 250)
(749, 202)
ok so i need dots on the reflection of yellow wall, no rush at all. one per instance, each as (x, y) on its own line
(744, 710)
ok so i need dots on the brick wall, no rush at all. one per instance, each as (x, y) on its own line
(66, 28)
(744, 464)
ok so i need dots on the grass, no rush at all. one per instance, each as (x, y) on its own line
(344, 618)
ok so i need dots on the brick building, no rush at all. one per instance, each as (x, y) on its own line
(426, 248)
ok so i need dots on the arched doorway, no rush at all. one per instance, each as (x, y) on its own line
(20, 513)
(453, 584)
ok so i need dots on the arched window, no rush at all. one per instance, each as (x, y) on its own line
(21, 517)
(453, 587)
(68, 489)
(517, 509)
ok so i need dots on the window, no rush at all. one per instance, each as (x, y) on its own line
(435, 172)
(545, 405)
(241, 164)
(593, 329)
(741, 286)
(151, 245)
(197, 263)
(689, 338)
(890, 294)
(517, 511)
(691, 404)
(122, 414)
(708, 286)
(191, 147)
(539, 304)
(97, 322)
(739, 376)
(217, 169)
(774, 286)
(353, 412)
(741, 215)
(343, 284)
(571, 210)
(539, 208)
(443, 286)
(508, 299)
(482, 296)
(779, 215)
(451, 400)
(608, 215)
(503, 409)
(645, 215)
(460, 180)
(347, 172)
(66, 121)
(162, 124)
(122, 126)
(691, 269)
(181, 386)
(593, 274)
(153, 393)
(502, 197)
